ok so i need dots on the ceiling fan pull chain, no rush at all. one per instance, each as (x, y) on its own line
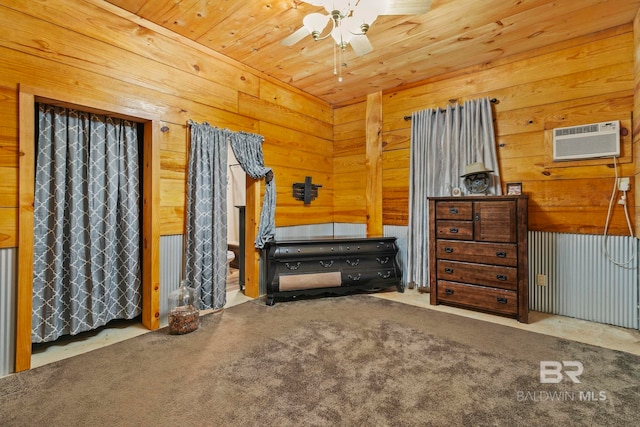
(335, 61)
(341, 53)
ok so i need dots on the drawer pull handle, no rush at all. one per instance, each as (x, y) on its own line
(448, 250)
(501, 277)
(353, 263)
(453, 230)
(292, 267)
(448, 291)
(501, 254)
(453, 210)
(477, 217)
(501, 300)
(355, 278)
(448, 270)
(326, 264)
(385, 276)
(383, 261)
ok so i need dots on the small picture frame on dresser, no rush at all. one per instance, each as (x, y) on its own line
(514, 188)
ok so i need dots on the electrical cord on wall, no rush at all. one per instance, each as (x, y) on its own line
(623, 202)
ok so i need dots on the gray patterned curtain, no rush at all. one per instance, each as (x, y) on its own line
(443, 142)
(86, 223)
(248, 150)
(206, 230)
(206, 234)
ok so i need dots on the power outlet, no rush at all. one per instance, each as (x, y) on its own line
(541, 280)
(624, 184)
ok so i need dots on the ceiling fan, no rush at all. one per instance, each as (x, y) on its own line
(351, 19)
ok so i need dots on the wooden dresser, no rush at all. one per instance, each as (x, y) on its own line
(478, 253)
(331, 266)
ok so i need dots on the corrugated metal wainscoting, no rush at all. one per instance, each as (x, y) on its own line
(170, 271)
(399, 232)
(296, 232)
(8, 284)
(581, 281)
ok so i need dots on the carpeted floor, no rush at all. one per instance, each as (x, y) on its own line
(347, 361)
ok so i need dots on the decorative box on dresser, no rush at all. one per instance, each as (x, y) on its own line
(478, 253)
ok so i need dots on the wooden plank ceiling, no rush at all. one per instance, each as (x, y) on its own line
(452, 35)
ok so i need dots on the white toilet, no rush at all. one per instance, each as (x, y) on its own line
(230, 257)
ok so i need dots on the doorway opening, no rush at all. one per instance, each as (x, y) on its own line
(149, 207)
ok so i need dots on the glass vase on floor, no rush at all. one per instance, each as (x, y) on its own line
(184, 316)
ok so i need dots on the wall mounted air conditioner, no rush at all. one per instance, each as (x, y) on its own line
(587, 141)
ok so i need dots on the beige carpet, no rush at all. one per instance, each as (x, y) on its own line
(345, 361)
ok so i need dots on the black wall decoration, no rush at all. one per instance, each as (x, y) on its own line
(305, 191)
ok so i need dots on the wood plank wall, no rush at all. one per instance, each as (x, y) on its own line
(106, 58)
(579, 81)
(349, 168)
(636, 113)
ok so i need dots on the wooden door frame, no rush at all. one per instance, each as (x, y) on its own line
(28, 96)
(252, 221)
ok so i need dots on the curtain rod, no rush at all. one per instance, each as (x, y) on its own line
(492, 100)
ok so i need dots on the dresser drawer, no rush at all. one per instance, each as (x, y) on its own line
(304, 251)
(489, 275)
(495, 300)
(382, 261)
(485, 253)
(368, 247)
(301, 266)
(460, 230)
(454, 210)
(372, 277)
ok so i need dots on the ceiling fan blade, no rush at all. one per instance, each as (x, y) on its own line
(295, 37)
(361, 45)
(406, 7)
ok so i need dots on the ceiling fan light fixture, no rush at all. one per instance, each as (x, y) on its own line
(350, 22)
(356, 25)
(342, 35)
(315, 23)
(364, 16)
(343, 7)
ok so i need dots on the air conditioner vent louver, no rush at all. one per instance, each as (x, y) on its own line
(587, 141)
(576, 130)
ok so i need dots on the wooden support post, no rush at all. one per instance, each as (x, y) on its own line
(151, 227)
(373, 164)
(252, 255)
(25, 231)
